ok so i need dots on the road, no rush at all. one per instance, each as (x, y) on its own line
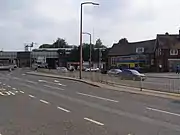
(32, 105)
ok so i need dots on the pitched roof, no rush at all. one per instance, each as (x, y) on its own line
(168, 41)
(130, 48)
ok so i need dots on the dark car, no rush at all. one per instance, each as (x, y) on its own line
(130, 74)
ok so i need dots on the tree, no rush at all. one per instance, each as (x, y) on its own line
(98, 43)
(123, 41)
(60, 43)
(45, 46)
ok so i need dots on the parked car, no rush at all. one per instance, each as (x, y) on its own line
(6, 67)
(92, 69)
(130, 74)
(114, 72)
(62, 69)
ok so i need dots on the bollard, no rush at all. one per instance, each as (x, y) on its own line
(141, 87)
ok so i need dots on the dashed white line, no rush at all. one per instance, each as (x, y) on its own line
(65, 110)
(31, 82)
(106, 99)
(21, 91)
(4, 84)
(14, 88)
(16, 91)
(53, 87)
(43, 101)
(93, 121)
(56, 81)
(23, 74)
(16, 78)
(61, 84)
(9, 86)
(11, 93)
(162, 111)
(31, 96)
(42, 80)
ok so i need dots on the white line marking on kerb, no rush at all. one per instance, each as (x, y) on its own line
(31, 96)
(43, 101)
(93, 121)
(52, 87)
(22, 91)
(162, 111)
(65, 110)
(14, 88)
(56, 81)
(106, 99)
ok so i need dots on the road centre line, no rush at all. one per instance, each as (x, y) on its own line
(43, 101)
(106, 99)
(52, 87)
(22, 91)
(162, 111)
(31, 96)
(65, 110)
(93, 121)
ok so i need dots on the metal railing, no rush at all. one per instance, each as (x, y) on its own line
(158, 83)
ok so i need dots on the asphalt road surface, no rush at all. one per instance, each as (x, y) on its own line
(32, 105)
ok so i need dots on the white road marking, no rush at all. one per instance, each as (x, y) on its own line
(42, 80)
(4, 84)
(11, 93)
(31, 96)
(23, 74)
(16, 78)
(14, 88)
(93, 121)
(56, 81)
(43, 101)
(9, 86)
(65, 110)
(2, 94)
(61, 84)
(162, 111)
(22, 91)
(0, 82)
(106, 99)
(16, 91)
(31, 82)
(52, 87)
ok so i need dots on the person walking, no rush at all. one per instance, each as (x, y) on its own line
(177, 69)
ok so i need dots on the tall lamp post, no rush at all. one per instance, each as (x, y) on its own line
(81, 17)
(90, 50)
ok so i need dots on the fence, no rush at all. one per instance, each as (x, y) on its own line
(158, 83)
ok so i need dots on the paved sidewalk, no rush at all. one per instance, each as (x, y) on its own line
(114, 87)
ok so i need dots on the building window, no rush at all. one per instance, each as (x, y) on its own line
(160, 51)
(173, 51)
(139, 50)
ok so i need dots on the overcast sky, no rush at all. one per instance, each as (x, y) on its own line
(42, 21)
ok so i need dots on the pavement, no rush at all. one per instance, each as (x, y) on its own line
(38, 105)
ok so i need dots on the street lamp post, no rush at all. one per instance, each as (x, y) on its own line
(90, 50)
(81, 16)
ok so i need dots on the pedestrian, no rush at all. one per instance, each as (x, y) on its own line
(177, 69)
(160, 68)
